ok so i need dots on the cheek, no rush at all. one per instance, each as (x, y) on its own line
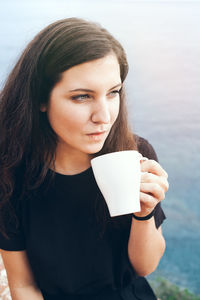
(62, 118)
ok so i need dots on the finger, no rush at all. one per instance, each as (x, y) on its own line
(154, 189)
(152, 178)
(152, 166)
(147, 201)
(143, 158)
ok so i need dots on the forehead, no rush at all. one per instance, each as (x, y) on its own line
(103, 71)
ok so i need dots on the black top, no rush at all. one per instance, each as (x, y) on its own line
(72, 255)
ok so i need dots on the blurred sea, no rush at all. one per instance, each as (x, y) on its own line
(162, 41)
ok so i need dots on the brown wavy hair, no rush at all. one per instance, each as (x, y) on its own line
(27, 142)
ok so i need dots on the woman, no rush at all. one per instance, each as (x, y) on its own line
(62, 105)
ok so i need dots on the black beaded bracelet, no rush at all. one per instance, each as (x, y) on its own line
(147, 217)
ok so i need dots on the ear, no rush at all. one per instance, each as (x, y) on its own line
(43, 108)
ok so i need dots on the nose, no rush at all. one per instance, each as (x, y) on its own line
(101, 112)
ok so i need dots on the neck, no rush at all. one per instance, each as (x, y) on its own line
(71, 162)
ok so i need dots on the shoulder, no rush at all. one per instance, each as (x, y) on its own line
(145, 148)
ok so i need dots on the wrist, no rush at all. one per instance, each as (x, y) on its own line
(144, 217)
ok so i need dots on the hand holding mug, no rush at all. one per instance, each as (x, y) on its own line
(129, 182)
(153, 186)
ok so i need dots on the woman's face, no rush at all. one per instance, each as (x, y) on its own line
(84, 105)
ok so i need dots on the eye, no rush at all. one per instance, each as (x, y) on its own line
(115, 93)
(81, 97)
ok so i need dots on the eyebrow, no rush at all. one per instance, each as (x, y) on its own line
(88, 90)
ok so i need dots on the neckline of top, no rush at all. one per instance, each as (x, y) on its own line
(72, 176)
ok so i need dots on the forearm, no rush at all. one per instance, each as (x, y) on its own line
(145, 247)
(24, 293)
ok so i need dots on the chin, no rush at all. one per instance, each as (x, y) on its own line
(95, 149)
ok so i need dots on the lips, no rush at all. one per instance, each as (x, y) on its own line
(97, 133)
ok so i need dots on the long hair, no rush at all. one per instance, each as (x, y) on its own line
(27, 140)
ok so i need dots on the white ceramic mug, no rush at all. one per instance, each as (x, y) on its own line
(118, 176)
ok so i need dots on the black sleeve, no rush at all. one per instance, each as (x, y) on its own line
(146, 149)
(16, 240)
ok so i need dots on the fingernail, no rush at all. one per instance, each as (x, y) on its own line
(144, 158)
